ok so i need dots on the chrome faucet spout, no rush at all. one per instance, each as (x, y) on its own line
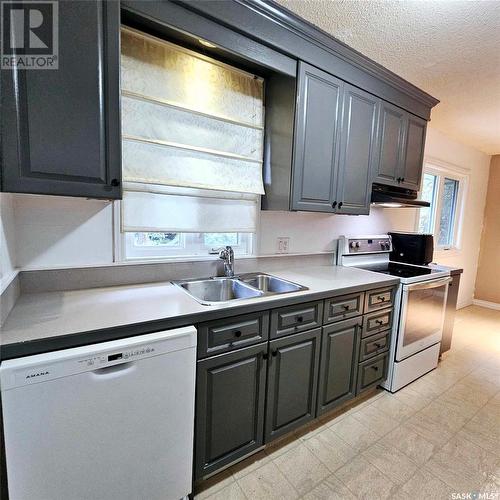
(227, 255)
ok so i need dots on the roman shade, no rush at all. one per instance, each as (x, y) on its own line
(192, 140)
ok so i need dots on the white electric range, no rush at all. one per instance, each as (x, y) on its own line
(419, 307)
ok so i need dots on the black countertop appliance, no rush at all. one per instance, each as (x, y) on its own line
(412, 248)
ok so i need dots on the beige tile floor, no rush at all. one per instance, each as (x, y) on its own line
(437, 437)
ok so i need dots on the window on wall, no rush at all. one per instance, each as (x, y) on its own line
(146, 245)
(444, 190)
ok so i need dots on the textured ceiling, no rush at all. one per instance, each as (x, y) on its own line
(449, 48)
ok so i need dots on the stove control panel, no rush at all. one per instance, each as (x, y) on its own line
(364, 245)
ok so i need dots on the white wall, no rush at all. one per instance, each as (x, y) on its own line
(54, 231)
(312, 232)
(441, 147)
(7, 240)
(67, 232)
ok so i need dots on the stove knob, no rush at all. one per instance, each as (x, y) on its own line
(352, 244)
(357, 244)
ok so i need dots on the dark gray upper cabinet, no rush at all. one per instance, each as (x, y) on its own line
(61, 128)
(414, 152)
(292, 382)
(230, 392)
(339, 363)
(317, 127)
(401, 151)
(334, 145)
(392, 136)
(357, 151)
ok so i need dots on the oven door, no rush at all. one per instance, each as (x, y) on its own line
(422, 316)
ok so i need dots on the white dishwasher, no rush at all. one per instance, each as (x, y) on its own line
(108, 421)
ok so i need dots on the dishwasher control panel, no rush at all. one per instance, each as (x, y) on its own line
(108, 359)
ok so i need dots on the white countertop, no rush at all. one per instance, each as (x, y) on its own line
(38, 316)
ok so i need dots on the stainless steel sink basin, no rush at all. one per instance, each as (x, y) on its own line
(213, 290)
(269, 283)
(209, 291)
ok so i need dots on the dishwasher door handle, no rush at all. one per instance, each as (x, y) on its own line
(114, 370)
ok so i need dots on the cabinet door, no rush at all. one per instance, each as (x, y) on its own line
(358, 151)
(391, 150)
(414, 157)
(61, 127)
(292, 382)
(315, 154)
(339, 363)
(230, 396)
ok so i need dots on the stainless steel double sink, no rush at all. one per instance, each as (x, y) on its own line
(210, 291)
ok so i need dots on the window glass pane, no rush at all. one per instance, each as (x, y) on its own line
(216, 240)
(157, 239)
(149, 245)
(447, 215)
(428, 194)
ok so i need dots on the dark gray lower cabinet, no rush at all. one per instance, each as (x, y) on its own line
(339, 363)
(292, 382)
(230, 402)
(372, 372)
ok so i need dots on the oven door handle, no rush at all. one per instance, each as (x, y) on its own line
(429, 284)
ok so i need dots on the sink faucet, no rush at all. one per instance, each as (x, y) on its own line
(227, 255)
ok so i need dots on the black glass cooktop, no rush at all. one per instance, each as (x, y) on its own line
(400, 270)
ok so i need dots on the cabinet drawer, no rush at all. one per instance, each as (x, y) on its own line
(373, 345)
(377, 322)
(294, 319)
(344, 307)
(222, 335)
(372, 372)
(378, 299)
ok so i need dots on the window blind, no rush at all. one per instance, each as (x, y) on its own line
(194, 125)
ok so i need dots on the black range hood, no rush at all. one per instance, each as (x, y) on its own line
(396, 197)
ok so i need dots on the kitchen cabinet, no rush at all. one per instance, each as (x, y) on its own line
(230, 396)
(392, 137)
(373, 345)
(335, 145)
(262, 374)
(316, 144)
(379, 299)
(292, 382)
(296, 318)
(401, 150)
(343, 307)
(339, 363)
(357, 151)
(227, 334)
(414, 152)
(61, 128)
(372, 372)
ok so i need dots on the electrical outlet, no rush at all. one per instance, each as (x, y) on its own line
(282, 244)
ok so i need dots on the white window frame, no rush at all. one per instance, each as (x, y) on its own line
(445, 170)
(193, 247)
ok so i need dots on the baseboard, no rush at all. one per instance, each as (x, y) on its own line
(485, 303)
